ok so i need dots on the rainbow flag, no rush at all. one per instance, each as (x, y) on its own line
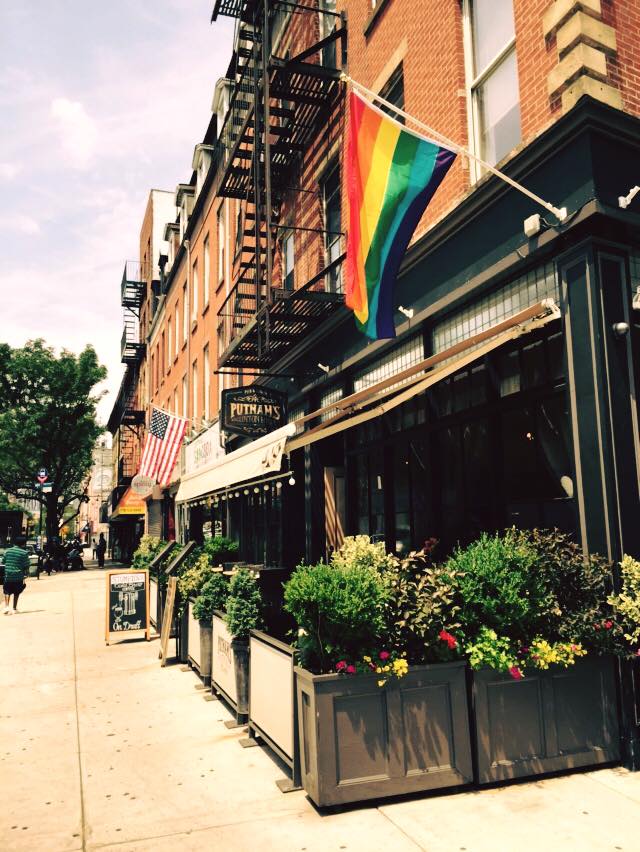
(392, 174)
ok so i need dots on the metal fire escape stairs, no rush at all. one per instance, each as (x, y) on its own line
(276, 111)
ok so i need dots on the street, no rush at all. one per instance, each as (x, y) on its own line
(103, 749)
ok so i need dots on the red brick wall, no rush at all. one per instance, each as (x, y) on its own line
(624, 68)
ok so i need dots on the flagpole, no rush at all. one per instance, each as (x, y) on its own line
(559, 212)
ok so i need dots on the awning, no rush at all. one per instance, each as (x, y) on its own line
(130, 504)
(260, 457)
(401, 387)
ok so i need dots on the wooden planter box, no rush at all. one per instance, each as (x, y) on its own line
(360, 741)
(547, 722)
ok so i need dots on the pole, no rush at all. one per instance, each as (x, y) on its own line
(559, 212)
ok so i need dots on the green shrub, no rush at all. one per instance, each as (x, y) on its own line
(213, 596)
(148, 548)
(220, 549)
(193, 573)
(421, 613)
(577, 586)
(500, 586)
(626, 604)
(338, 612)
(243, 604)
(360, 551)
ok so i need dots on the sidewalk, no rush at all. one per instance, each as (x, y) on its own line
(101, 749)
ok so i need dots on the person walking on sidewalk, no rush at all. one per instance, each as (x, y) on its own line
(16, 565)
(100, 550)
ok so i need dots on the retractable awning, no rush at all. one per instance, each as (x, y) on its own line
(259, 458)
(348, 412)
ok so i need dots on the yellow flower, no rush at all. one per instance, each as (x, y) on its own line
(367, 659)
(381, 682)
(378, 670)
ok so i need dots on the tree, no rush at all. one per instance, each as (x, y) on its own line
(48, 419)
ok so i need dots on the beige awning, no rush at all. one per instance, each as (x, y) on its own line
(414, 380)
(259, 458)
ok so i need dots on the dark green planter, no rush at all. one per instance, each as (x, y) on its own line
(360, 741)
(549, 721)
(240, 649)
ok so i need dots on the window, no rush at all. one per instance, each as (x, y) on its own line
(169, 346)
(194, 389)
(185, 314)
(288, 262)
(185, 396)
(206, 264)
(333, 228)
(492, 78)
(206, 383)
(177, 330)
(393, 91)
(154, 382)
(221, 240)
(162, 351)
(175, 401)
(328, 25)
(194, 292)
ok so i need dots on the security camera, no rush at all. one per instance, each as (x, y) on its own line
(323, 367)
(620, 329)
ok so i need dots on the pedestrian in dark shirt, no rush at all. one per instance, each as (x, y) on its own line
(100, 550)
(16, 566)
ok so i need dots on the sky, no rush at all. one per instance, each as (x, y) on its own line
(99, 103)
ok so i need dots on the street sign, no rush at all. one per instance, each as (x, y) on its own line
(43, 475)
(47, 487)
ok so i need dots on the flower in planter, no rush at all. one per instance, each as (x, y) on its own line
(451, 640)
(351, 669)
(516, 673)
(341, 666)
(384, 655)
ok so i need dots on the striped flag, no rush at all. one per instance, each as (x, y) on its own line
(162, 445)
(392, 174)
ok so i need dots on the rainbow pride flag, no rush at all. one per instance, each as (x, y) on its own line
(392, 174)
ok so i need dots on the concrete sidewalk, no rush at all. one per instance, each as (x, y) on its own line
(103, 749)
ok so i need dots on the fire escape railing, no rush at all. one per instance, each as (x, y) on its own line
(277, 110)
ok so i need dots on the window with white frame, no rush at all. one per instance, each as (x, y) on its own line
(177, 330)
(194, 389)
(175, 401)
(328, 397)
(185, 396)
(185, 314)
(527, 290)
(206, 265)
(492, 79)
(333, 228)
(221, 241)
(405, 355)
(288, 262)
(206, 382)
(169, 347)
(194, 292)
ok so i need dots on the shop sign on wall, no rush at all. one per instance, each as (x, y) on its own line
(253, 411)
(204, 451)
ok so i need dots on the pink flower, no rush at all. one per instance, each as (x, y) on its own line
(608, 625)
(351, 669)
(597, 626)
(638, 653)
(515, 673)
(341, 666)
(384, 655)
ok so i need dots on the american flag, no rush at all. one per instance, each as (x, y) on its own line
(162, 445)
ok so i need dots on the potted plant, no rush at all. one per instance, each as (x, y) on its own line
(242, 616)
(375, 717)
(213, 596)
(530, 610)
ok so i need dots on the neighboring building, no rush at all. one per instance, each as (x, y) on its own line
(99, 487)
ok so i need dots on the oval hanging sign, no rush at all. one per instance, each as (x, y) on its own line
(253, 411)
(142, 485)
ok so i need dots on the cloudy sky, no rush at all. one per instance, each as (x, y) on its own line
(99, 102)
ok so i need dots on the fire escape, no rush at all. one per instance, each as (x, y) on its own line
(127, 419)
(276, 113)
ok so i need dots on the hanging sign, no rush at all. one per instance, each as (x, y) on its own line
(142, 485)
(127, 602)
(253, 411)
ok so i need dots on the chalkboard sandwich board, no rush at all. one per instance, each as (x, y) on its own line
(127, 602)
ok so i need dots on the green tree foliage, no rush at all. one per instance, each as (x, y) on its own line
(47, 419)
